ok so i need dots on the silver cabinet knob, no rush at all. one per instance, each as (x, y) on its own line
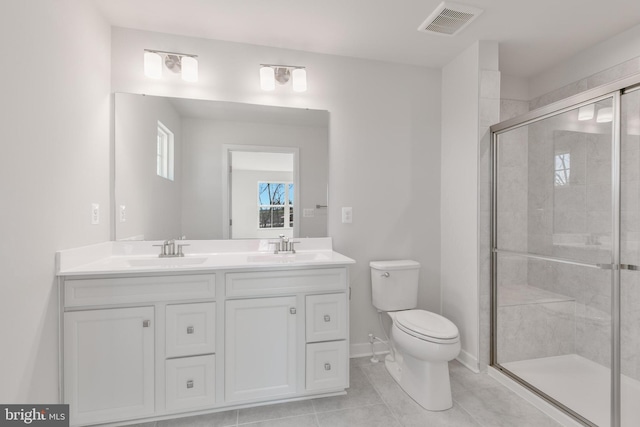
(385, 274)
(327, 366)
(189, 329)
(292, 310)
(190, 384)
(327, 318)
(146, 323)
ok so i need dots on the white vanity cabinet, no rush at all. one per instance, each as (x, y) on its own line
(147, 346)
(109, 364)
(289, 345)
(127, 344)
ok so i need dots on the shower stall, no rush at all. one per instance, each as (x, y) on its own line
(565, 253)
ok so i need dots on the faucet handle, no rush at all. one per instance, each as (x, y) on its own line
(291, 247)
(179, 250)
(162, 249)
(276, 243)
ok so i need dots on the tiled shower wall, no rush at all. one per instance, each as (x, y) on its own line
(573, 221)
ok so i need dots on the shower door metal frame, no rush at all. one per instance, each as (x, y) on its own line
(614, 91)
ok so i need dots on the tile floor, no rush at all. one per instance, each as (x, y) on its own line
(375, 400)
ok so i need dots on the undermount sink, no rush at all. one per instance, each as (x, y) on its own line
(168, 261)
(287, 258)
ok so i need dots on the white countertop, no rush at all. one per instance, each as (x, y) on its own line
(200, 255)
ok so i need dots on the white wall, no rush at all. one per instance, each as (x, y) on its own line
(514, 88)
(54, 165)
(153, 204)
(384, 144)
(616, 50)
(467, 110)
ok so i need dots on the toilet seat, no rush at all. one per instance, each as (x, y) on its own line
(427, 326)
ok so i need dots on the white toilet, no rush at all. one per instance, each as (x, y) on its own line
(423, 342)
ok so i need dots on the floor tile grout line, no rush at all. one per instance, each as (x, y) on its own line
(462, 406)
(473, 417)
(393, 414)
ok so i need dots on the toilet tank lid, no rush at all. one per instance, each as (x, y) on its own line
(402, 264)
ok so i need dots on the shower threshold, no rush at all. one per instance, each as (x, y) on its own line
(582, 385)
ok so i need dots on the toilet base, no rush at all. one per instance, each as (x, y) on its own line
(425, 382)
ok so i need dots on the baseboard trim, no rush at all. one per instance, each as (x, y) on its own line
(471, 362)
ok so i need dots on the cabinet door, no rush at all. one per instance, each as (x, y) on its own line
(260, 348)
(109, 364)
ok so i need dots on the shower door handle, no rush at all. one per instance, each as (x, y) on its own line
(630, 267)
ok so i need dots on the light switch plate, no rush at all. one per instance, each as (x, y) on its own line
(123, 213)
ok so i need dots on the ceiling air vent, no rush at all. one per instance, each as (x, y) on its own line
(449, 19)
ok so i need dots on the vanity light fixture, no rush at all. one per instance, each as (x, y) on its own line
(270, 74)
(605, 115)
(185, 64)
(586, 112)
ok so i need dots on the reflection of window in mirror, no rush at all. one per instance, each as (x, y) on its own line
(562, 169)
(164, 159)
(274, 199)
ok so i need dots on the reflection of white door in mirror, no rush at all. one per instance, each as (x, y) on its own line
(262, 185)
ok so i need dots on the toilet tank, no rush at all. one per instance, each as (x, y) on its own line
(394, 284)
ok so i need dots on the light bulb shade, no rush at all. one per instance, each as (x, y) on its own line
(586, 112)
(299, 76)
(189, 69)
(605, 115)
(152, 65)
(267, 78)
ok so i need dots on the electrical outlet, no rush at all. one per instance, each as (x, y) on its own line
(123, 213)
(95, 213)
(347, 215)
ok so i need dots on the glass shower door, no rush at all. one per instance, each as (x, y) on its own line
(554, 243)
(630, 259)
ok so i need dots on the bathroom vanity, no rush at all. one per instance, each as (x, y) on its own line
(228, 325)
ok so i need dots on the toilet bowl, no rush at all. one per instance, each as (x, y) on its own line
(423, 343)
(423, 348)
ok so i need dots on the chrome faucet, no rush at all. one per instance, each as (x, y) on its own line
(169, 248)
(284, 245)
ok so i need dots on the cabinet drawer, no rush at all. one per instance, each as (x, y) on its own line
(283, 282)
(190, 382)
(124, 290)
(190, 329)
(326, 317)
(327, 365)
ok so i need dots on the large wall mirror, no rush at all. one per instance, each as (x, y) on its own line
(213, 170)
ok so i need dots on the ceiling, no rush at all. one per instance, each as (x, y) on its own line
(533, 35)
